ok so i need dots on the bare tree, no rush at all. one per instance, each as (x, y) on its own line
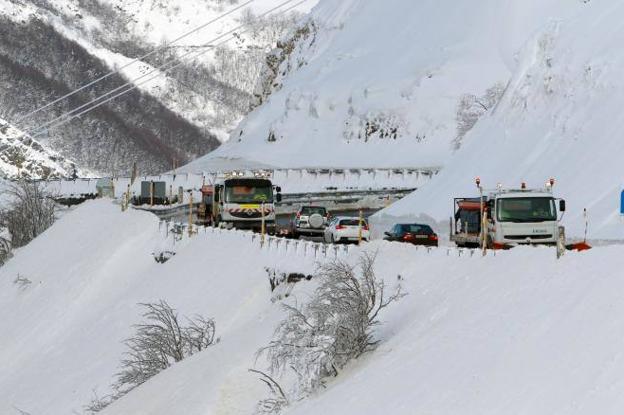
(30, 212)
(5, 249)
(336, 326)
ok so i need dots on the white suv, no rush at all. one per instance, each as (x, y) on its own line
(310, 221)
(346, 229)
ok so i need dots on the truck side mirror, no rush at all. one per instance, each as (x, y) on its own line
(562, 205)
(216, 195)
(278, 197)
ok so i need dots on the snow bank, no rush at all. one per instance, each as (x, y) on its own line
(560, 117)
(62, 334)
(542, 337)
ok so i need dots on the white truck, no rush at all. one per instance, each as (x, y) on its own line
(509, 217)
(244, 202)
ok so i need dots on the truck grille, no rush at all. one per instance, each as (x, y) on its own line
(249, 213)
(524, 237)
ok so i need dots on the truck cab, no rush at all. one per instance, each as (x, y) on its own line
(245, 203)
(523, 217)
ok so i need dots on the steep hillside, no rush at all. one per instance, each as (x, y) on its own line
(560, 117)
(389, 84)
(50, 47)
(21, 156)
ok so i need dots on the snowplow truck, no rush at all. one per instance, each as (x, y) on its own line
(245, 203)
(503, 218)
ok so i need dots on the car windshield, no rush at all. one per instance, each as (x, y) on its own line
(352, 222)
(248, 194)
(309, 210)
(419, 229)
(527, 209)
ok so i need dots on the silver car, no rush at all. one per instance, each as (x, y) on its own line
(310, 221)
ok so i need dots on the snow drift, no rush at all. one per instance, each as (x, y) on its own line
(542, 337)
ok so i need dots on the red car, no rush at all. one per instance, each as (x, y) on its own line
(414, 233)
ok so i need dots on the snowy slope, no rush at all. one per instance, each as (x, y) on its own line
(379, 83)
(63, 340)
(560, 117)
(543, 338)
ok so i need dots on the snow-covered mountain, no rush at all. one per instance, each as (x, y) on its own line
(21, 156)
(48, 48)
(372, 84)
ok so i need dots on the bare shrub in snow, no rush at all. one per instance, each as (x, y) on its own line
(471, 108)
(22, 282)
(317, 340)
(377, 125)
(30, 212)
(98, 403)
(277, 400)
(158, 343)
(161, 341)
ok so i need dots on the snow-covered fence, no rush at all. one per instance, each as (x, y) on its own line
(276, 245)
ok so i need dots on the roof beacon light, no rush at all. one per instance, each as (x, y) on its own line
(552, 182)
(478, 181)
(523, 186)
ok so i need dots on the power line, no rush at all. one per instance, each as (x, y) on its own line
(72, 114)
(140, 58)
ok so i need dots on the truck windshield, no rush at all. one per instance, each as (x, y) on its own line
(248, 194)
(526, 209)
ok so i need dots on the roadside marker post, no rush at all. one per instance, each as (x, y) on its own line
(361, 220)
(151, 194)
(190, 231)
(262, 227)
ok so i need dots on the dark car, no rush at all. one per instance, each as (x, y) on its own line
(414, 233)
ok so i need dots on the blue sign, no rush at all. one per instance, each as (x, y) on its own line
(622, 203)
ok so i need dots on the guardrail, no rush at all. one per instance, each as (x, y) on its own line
(278, 245)
(293, 181)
